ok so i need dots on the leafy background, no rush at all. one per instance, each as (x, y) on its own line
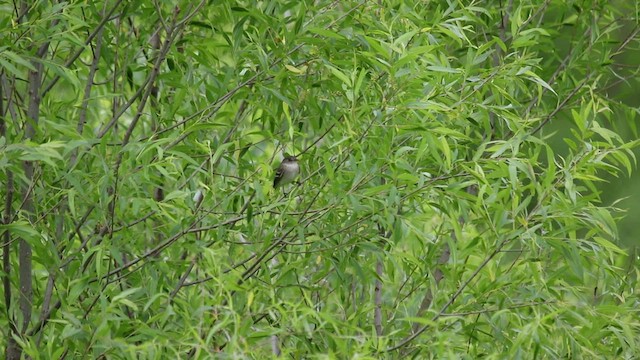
(461, 165)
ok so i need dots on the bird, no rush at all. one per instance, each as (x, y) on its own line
(288, 170)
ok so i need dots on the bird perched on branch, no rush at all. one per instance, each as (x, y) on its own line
(288, 170)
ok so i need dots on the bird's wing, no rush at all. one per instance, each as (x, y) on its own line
(278, 176)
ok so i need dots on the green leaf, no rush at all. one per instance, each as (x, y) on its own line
(340, 75)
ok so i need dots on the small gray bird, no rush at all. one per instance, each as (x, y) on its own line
(288, 170)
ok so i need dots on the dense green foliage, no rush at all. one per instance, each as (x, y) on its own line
(433, 217)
